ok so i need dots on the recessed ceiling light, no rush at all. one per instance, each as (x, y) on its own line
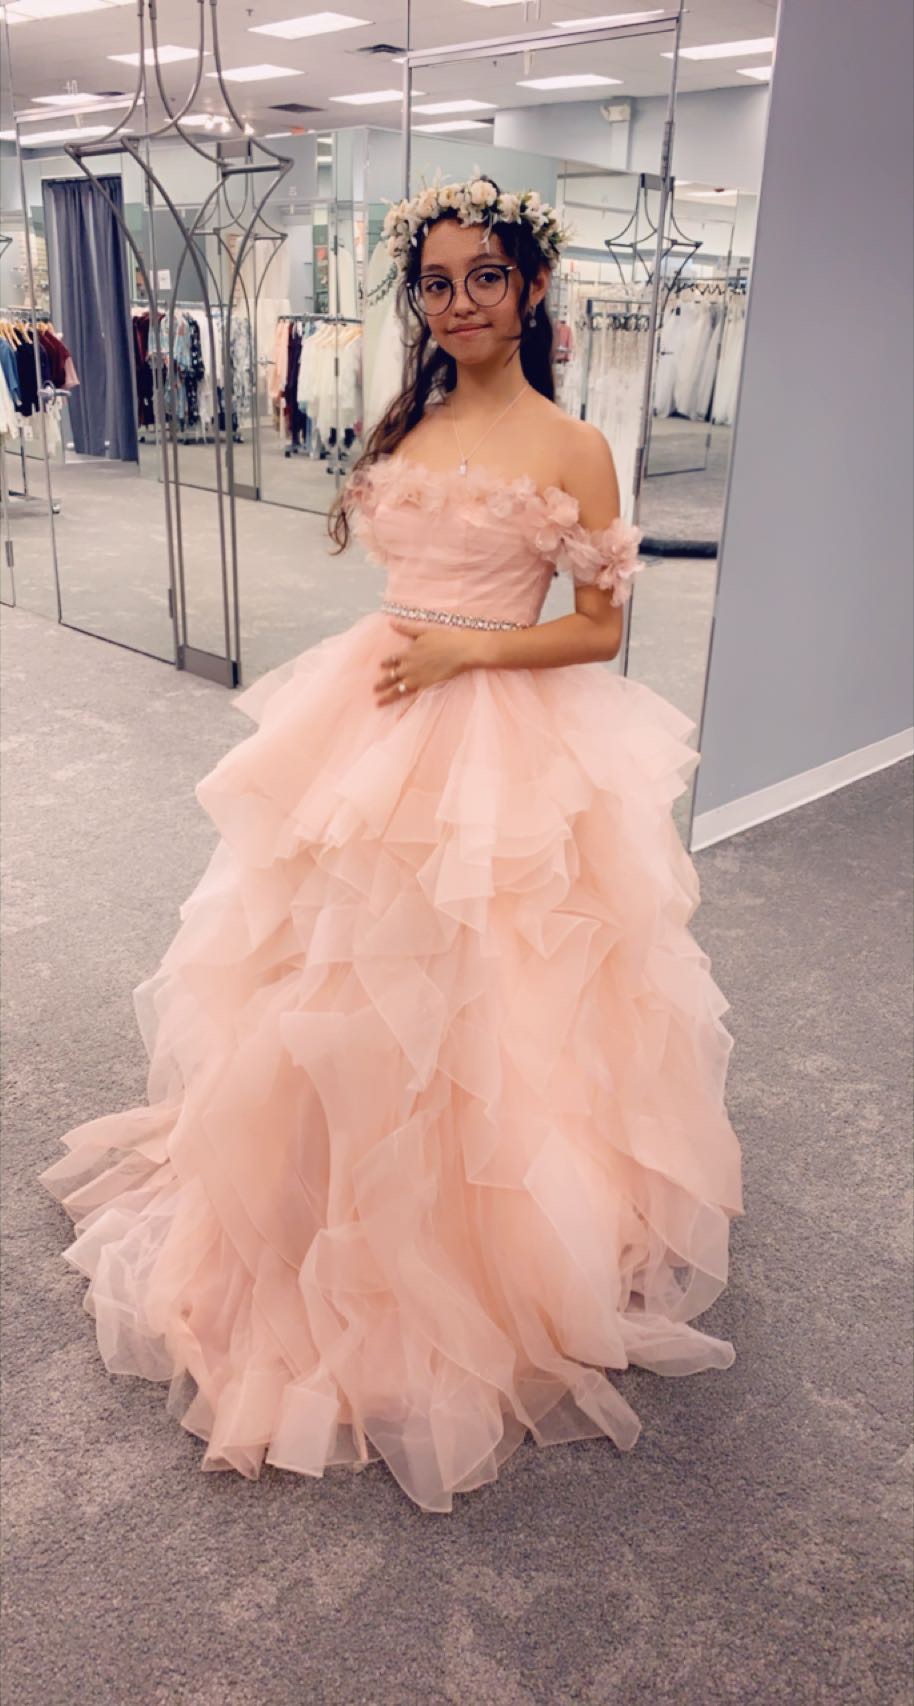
(615, 18)
(84, 103)
(580, 80)
(708, 195)
(375, 96)
(456, 107)
(319, 24)
(166, 56)
(457, 124)
(761, 73)
(205, 121)
(727, 49)
(73, 133)
(256, 73)
(28, 11)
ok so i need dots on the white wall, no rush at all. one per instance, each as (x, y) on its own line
(811, 657)
(719, 135)
(384, 168)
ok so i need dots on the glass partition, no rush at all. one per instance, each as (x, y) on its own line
(659, 185)
(556, 113)
(29, 404)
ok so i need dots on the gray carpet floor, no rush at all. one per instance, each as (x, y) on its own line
(755, 1545)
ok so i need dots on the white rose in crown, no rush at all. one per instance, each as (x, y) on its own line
(483, 194)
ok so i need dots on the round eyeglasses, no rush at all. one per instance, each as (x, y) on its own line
(486, 285)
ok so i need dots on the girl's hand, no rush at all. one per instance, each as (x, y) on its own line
(429, 655)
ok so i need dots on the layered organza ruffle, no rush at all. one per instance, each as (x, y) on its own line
(435, 1132)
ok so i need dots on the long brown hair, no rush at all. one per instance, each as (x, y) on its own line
(431, 372)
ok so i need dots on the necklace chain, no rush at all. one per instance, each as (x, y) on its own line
(464, 459)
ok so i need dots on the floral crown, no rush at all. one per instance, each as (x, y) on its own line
(477, 202)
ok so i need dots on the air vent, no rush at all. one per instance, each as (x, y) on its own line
(293, 107)
(379, 47)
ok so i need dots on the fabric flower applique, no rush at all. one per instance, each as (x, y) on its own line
(549, 518)
(607, 557)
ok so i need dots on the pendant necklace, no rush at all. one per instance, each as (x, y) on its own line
(464, 459)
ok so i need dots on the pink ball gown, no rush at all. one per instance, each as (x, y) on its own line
(435, 1130)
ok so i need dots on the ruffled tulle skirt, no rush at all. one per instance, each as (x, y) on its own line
(435, 1131)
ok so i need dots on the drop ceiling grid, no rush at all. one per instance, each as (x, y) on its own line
(46, 54)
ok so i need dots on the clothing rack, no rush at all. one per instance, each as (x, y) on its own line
(25, 501)
(149, 434)
(325, 319)
(331, 451)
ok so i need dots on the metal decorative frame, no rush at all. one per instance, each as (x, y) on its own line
(236, 155)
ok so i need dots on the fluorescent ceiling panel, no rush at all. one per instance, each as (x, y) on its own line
(610, 18)
(727, 49)
(707, 195)
(28, 11)
(166, 56)
(374, 97)
(256, 73)
(84, 103)
(579, 80)
(456, 124)
(456, 107)
(81, 133)
(319, 24)
(761, 73)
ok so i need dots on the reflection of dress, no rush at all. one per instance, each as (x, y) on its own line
(435, 1130)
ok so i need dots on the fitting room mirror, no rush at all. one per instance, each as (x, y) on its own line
(29, 413)
(584, 123)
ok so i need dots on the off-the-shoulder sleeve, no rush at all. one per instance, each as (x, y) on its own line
(605, 557)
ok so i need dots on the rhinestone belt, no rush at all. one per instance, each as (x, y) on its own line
(451, 616)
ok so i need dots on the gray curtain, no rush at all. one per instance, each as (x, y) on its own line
(90, 303)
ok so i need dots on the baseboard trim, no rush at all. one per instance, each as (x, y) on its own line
(745, 812)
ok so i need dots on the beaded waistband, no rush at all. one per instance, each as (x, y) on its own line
(454, 617)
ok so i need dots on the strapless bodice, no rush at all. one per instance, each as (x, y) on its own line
(480, 544)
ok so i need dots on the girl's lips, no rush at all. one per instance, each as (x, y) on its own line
(464, 331)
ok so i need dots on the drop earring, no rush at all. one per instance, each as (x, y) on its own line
(531, 317)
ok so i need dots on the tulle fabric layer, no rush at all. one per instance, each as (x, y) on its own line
(435, 1131)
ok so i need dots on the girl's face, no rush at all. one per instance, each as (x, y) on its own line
(471, 328)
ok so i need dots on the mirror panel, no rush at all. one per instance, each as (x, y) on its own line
(29, 408)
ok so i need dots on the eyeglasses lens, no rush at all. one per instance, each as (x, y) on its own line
(486, 286)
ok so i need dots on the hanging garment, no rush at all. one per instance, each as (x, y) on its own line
(672, 333)
(615, 389)
(145, 401)
(689, 356)
(9, 421)
(435, 1137)
(723, 407)
(10, 369)
(28, 379)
